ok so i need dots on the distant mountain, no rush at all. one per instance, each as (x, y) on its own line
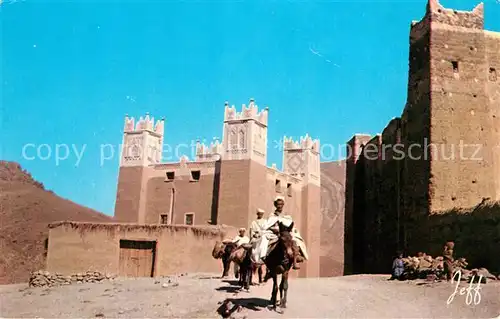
(26, 209)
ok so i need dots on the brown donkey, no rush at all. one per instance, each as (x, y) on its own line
(223, 251)
(278, 262)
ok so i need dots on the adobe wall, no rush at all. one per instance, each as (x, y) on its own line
(391, 234)
(333, 175)
(475, 230)
(370, 223)
(310, 229)
(415, 135)
(79, 247)
(405, 199)
(460, 115)
(492, 49)
(234, 193)
(181, 195)
(128, 194)
(353, 206)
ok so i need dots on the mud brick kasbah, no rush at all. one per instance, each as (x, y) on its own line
(353, 214)
(414, 204)
(224, 185)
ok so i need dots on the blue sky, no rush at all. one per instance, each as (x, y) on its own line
(71, 70)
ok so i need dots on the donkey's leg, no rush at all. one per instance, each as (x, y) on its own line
(274, 294)
(284, 289)
(225, 267)
(247, 272)
(281, 288)
(236, 269)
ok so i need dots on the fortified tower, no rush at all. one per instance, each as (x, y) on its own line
(301, 159)
(243, 167)
(448, 111)
(142, 146)
(448, 133)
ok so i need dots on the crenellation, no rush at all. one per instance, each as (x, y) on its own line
(146, 123)
(469, 19)
(211, 152)
(304, 143)
(247, 113)
(129, 124)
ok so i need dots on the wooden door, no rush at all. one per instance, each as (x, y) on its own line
(137, 258)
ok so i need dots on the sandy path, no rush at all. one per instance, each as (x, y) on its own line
(198, 296)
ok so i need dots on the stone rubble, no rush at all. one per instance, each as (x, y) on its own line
(43, 278)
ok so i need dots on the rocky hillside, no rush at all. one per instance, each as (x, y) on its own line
(26, 209)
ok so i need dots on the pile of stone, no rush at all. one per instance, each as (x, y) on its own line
(426, 267)
(45, 279)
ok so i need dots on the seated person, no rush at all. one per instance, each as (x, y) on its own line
(398, 267)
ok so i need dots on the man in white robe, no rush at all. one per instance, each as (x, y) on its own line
(257, 229)
(257, 226)
(271, 230)
(239, 240)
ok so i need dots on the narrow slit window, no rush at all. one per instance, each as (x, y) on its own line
(289, 189)
(455, 66)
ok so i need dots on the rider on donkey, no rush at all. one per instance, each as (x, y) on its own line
(270, 233)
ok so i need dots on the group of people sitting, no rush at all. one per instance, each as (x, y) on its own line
(264, 231)
(399, 268)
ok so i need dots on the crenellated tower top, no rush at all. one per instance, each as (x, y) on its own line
(304, 143)
(247, 113)
(146, 123)
(244, 134)
(437, 13)
(214, 151)
(302, 158)
(142, 141)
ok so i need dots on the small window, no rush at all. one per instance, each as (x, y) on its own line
(164, 219)
(289, 189)
(455, 66)
(189, 219)
(195, 175)
(493, 75)
(277, 186)
(171, 175)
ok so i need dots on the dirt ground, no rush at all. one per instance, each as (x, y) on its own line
(200, 295)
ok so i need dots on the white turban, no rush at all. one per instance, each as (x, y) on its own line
(279, 198)
(260, 210)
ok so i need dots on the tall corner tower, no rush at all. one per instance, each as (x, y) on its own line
(243, 168)
(302, 159)
(460, 114)
(142, 146)
(448, 115)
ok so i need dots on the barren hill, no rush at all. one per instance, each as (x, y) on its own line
(26, 208)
